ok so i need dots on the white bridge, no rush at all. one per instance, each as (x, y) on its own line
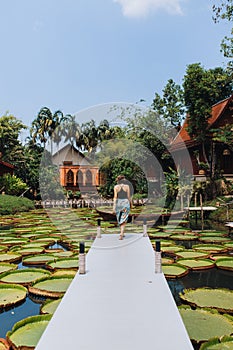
(119, 304)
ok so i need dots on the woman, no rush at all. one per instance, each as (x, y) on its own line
(122, 202)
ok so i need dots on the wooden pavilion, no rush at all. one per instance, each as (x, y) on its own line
(220, 154)
(77, 173)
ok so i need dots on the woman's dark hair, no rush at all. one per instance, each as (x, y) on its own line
(120, 178)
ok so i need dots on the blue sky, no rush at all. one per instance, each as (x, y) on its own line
(73, 54)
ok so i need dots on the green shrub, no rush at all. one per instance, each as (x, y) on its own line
(11, 205)
(12, 185)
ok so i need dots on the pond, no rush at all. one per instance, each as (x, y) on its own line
(37, 231)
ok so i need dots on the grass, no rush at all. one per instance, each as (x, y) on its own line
(11, 204)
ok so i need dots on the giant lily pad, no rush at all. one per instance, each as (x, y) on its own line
(68, 263)
(172, 249)
(26, 333)
(220, 299)
(50, 306)
(11, 294)
(40, 259)
(196, 264)
(53, 287)
(211, 248)
(224, 343)
(183, 237)
(29, 251)
(214, 239)
(225, 264)
(192, 254)
(10, 257)
(174, 270)
(4, 267)
(203, 324)
(25, 276)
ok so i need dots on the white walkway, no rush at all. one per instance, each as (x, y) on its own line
(119, 304)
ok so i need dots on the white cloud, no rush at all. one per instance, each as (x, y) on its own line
(141, 8)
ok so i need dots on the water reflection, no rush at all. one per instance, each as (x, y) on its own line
(212, 278)
(9, 317)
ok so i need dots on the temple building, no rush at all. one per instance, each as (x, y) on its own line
(220, 154)
(77, 173)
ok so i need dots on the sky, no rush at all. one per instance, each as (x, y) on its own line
(70, 55)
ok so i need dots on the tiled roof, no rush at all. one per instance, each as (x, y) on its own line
(8, 165)
(183, 139)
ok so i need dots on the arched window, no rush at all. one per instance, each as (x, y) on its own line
(79, 179)
(88, 178)
(70, 178)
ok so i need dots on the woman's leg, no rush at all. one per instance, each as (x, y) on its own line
(122, 228)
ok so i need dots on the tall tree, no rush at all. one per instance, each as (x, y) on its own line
(10, 129)
(171, 104)
(224, 11)
(45, 124)
(202, 89)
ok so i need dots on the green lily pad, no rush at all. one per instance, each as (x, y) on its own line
(225, 264)
(203, 324)
(53, 286)
(219, 299)
(40, 259)
(174, 270)
(192, 254)
(25, 276)
(213, 233)
(229, 245)
(182, 237)
(224, 343)
(214, 239)
(68, 263)
(50, 306)
(10, 257)
(196, 264)
(26, 333)
(211, 248)
(29, 251)
(2, 248)
(160, 235)
(172, 249)
(4, 267)
(11, 294)
(166, 261)
(15, 241)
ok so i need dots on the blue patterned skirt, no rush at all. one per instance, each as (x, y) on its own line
(122, 210)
